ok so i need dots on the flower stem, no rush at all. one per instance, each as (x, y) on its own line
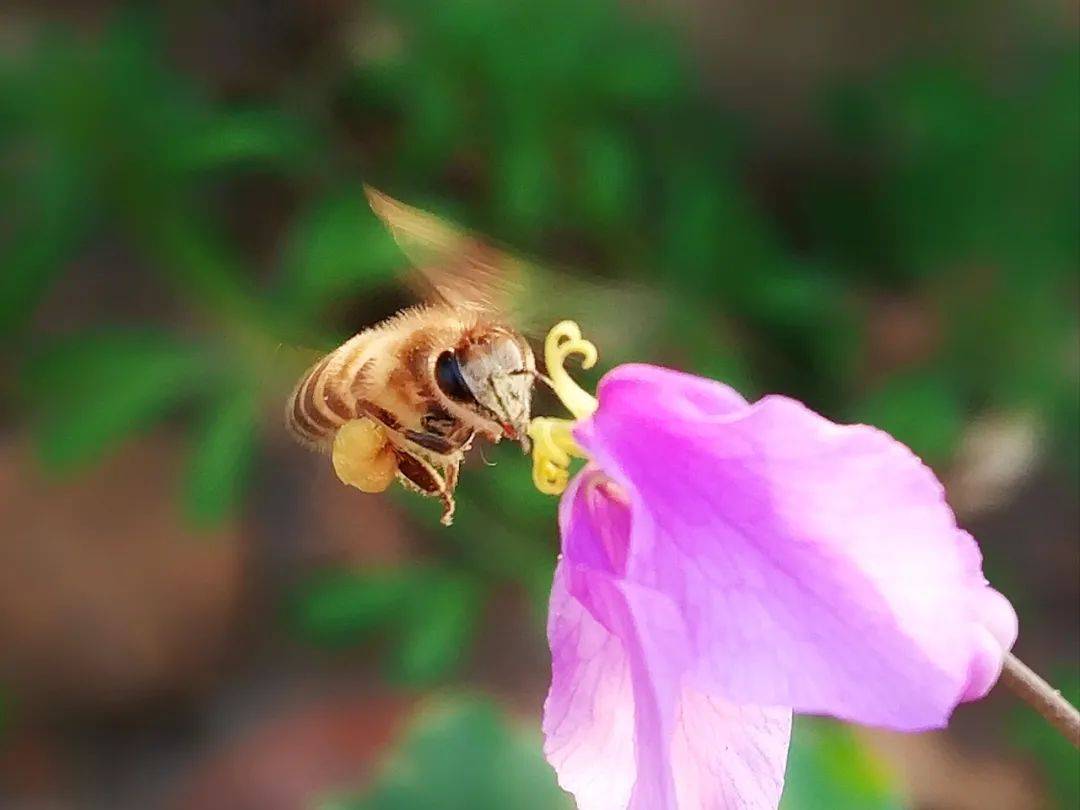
(1042, 697)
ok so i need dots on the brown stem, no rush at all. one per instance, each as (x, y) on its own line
(1042, 697)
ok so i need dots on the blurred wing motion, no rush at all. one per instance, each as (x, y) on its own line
(458, 268)
(465, 271)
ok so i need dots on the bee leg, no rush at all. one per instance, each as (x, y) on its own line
(451, 473)
(419, 476)
(431, 441)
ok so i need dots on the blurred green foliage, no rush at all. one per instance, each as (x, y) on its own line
(459, 752)
(1054, 755)
(429, 614)
(828, 767)
(578, 133)
(961, 200)
(462, 753)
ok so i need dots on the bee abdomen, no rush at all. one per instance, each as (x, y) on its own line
(318, 405)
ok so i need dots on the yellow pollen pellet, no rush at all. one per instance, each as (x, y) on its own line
(362, 456)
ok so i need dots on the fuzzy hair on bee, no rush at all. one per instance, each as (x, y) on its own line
(407, 397)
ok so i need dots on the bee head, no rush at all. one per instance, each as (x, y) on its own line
(492, 378)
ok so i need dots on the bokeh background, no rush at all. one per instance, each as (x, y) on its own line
(874, 207)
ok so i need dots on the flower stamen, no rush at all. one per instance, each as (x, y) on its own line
(564, 340)
(553, 439)
(553, 447)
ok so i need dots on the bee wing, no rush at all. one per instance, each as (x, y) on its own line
(465, 271)
(454, 266)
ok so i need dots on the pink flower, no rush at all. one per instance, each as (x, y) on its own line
(725, 564)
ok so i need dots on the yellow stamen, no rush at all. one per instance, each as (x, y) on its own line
(553, 439)
(553, 447)
(563, 340)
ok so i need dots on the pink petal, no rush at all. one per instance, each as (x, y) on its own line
(624, 728)
(812, 565)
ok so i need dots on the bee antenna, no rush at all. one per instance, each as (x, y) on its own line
(484, 458)
(536, 374)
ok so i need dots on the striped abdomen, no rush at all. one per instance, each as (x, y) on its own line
(328, 395)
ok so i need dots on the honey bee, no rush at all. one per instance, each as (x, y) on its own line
(407, 397)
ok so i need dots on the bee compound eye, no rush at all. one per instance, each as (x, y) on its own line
(449, 379)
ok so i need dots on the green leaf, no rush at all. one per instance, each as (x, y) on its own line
(263, 137)
(714, 240)
(222, 459)
(524, 180)
(504, 529)
(707, 344)
(90, 392)
(608, 190)
(344, 607)
(438, 629)
(463, 754)
(435, 109)
(338, 247)
(508, 528)
(644, 69)
(48, 221)
(828, 767)
(921, 409)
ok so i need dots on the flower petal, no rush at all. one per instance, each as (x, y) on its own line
(814, 565)
(624, 729)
